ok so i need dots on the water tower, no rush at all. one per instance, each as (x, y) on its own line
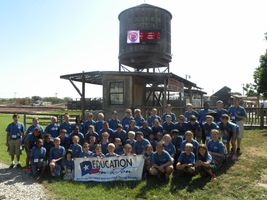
(145, 39)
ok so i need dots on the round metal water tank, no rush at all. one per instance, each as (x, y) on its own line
(145, 37)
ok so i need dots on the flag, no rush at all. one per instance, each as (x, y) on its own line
(86, 167)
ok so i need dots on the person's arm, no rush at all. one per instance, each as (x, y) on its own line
(167, 164)
(7, 138)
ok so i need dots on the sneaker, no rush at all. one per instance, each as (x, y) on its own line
(11, 166)
(234, 157)
(19, 166)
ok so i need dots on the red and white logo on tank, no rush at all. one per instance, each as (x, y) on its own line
(133, 37)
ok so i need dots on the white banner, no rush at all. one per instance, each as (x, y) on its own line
(123, 168)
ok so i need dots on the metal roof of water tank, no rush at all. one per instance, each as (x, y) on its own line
(153, 44)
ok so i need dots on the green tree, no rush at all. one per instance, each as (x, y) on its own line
(260, 75)
(250, 89)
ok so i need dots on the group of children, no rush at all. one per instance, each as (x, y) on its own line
(198, 142)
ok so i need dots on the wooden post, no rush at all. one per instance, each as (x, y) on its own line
(25, 120)
(261, 117)
(83, 97)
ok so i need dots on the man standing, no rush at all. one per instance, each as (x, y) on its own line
(15, 133)
(238, 115)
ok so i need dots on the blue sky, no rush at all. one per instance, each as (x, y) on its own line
(216, 42)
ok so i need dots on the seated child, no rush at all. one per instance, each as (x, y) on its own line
(68, 165)
(57, 153)
(118, 146)
(76, 148)
(177, 141)
(148, 155)
(204, 163)
(194, 126)
(162, 163)
(216, 148)
(111, 150)
(168, 146)
(86, 153)
(186, 161)
(38, 162)
(98, 151)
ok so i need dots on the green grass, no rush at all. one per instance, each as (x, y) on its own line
(236, 181)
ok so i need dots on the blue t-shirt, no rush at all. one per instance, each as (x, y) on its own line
(38, 153)
(76, 150)
(139, 121)
(194, 143)
(162, 158)
(170, 148)
(203, 113)
(15, 130)
(56, 153)
(104, 148)
(66, 126)
(32, 127)
(126, 122)
(177, 142)
(113, 123)
(228, 130)
(219, 114)
(53, 130)
(99, 125)
(109, 130)
(187, 159)
(234, 111)
(216, 147)
(207, 158)
(188, 115)
(140, 146)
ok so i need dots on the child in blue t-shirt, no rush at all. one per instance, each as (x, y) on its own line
(118, 146)
(189, 139)
(204, 163)
(131, 138)
(216, 148)
(68, 165)
(38, 161)
(168, 146)
(186, 161)
(208, 125)
(76, 147)
(148, 155)
(57, 153)
(162, 163)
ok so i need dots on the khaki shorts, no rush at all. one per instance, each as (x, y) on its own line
(240, 134)
(14, 147)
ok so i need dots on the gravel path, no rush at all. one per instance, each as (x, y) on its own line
(16, 185)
